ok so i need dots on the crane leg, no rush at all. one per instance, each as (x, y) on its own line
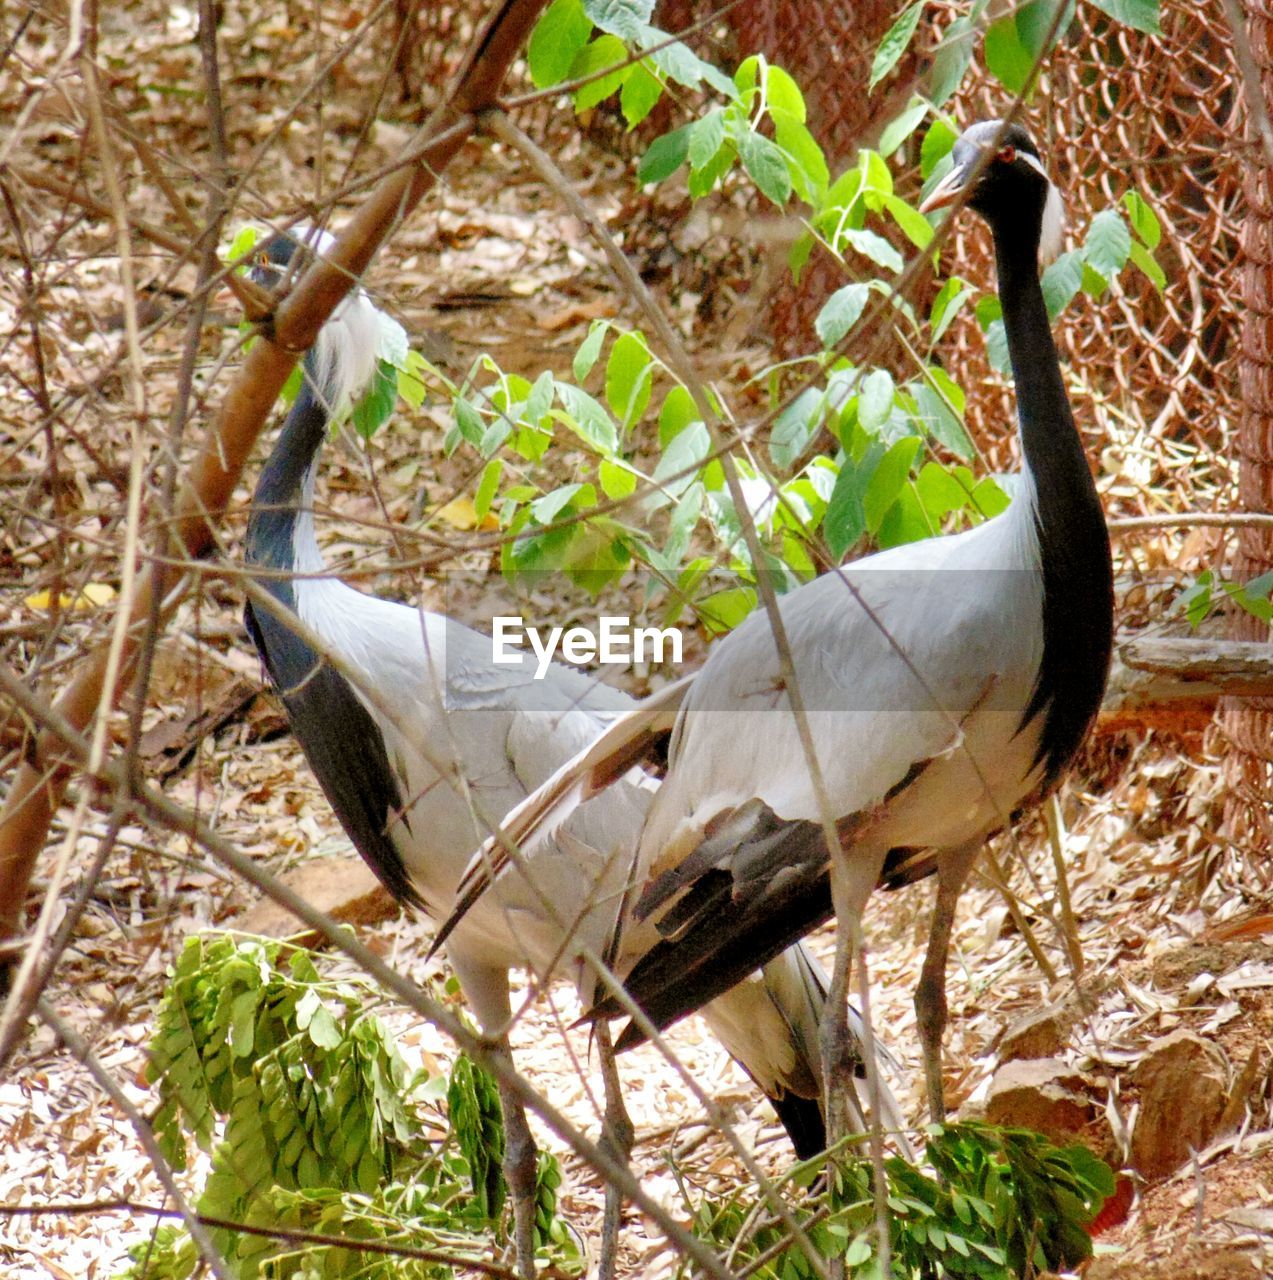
(930, 995)
(520, 1170)
(852, 879)
(616, 1140)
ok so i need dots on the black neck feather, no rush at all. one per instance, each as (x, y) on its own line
(1078, 601)
(340, 737)
(276, 503)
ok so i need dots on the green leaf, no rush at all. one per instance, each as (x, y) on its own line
(713, 171)
(551, 505)
(626, 19)
(410, 379)
(1148, 265)
(936, 146)
(766, 165)
(1143, 219)
(588, 418)
(795, 426)
(487, 488)
(988, 310)
(941, 405)
(901, 127)
(323, 1030)
(1094, 284)
(798, 254)
(1108, 243)
(806, 163)
(603, 52)
(244, 241)
(469, 421)
(989, 498)
(896, 41)
(629, 375)
(1062, 281)
(746, 80)
(588, 352)
(617, 480)
(840, 313)
(940, 492)
(845, 520)
(556, 41)
(887, 480)
(377, 404)
(875, 400)
(679, 63)
(1195, 600)
(640, 92)
(1037, 20)
(678, 411)
(676, 469)
(665, 156)
(1007, 57)
(949, 302)
(684, 517)
(724, 610)
(783, 94)
(952, 59)
(917, 229)
(707, 136)
(1140, 14)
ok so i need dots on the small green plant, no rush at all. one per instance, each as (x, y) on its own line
(298, 1093)
(994, 1203)
(1208, 591)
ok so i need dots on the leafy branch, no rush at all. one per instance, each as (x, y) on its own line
(313, 1123)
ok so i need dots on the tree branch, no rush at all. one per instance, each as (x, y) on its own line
(39, 784)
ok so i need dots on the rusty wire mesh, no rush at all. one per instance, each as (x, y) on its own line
(1248, 726)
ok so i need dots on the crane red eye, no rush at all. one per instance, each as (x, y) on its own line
(1007, 154)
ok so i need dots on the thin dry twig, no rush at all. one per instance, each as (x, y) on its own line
(81, 1049)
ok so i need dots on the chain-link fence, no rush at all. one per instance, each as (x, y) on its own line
(1153, 373)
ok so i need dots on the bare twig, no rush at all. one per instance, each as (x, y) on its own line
(486, 1053)
(36, 790)
(460, 1261)
(145, 1135)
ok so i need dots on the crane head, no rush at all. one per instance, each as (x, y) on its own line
(345, 356)
(997, 171)
(274, 257)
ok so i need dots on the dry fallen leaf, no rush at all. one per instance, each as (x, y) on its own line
(461, 514)
(598, 309)
(92, 596)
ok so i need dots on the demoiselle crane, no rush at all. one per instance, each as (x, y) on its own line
(482, 737)
(948, 685)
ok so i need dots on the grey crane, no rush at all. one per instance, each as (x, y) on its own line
(948, 683)
(485, 736)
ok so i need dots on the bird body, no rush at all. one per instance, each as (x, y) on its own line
(470, 739)
(947, 683)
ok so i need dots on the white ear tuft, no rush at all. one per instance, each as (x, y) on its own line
(1052, 239)
(318, 240)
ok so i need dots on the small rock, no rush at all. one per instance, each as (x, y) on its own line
(1044, 1094)
(1041, 1034)
(1184, 1084)
(344, 888)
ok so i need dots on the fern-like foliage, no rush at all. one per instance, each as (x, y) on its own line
(299, 1095)
(1005, 1203)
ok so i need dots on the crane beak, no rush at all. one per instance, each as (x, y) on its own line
(947, 191)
